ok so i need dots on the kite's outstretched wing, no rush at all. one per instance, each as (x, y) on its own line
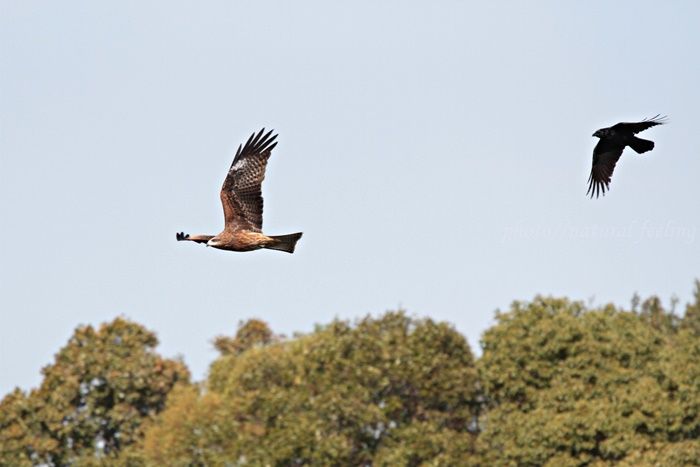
(240, 195)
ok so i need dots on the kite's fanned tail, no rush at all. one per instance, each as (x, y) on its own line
(284, 242)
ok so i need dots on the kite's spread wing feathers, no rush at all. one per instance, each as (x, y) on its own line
(240, 194)
(605, 156)
(637, 127)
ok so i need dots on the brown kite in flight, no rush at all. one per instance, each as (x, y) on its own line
(609, 149)
(243, 202)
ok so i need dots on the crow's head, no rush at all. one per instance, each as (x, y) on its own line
(602, 133)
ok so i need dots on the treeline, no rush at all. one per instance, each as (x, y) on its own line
(557, 384)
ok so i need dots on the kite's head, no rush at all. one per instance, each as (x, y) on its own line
(602, 133)
(214, 242)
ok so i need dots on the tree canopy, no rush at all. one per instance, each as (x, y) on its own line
(391, 390)
(94, 400)
(566, 386)
(557, 384)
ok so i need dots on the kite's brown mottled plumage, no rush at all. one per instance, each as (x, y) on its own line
(242, 201)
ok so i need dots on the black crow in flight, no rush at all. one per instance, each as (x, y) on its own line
(609, 149)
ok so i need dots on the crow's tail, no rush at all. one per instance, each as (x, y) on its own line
(641, 145)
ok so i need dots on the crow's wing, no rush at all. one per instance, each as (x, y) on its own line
(635, 128)
(241, 194)
(605, 156)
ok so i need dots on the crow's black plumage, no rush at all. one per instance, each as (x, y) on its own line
(609, 149)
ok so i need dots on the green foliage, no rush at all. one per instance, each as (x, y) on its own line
(682, 453)
(93, 401)
(17, 420)
(557, 385)
(572, 387)
(385, 390)
(250, 333)
(691, 319)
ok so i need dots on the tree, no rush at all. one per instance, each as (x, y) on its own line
(250, 333)
(567, 386)
(94, 400)
(557, 384)
(383, 391)
(654, 314)
(691, 319)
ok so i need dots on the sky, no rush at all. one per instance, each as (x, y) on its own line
(435, 155)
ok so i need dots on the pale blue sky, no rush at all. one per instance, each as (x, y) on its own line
(435, 154)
